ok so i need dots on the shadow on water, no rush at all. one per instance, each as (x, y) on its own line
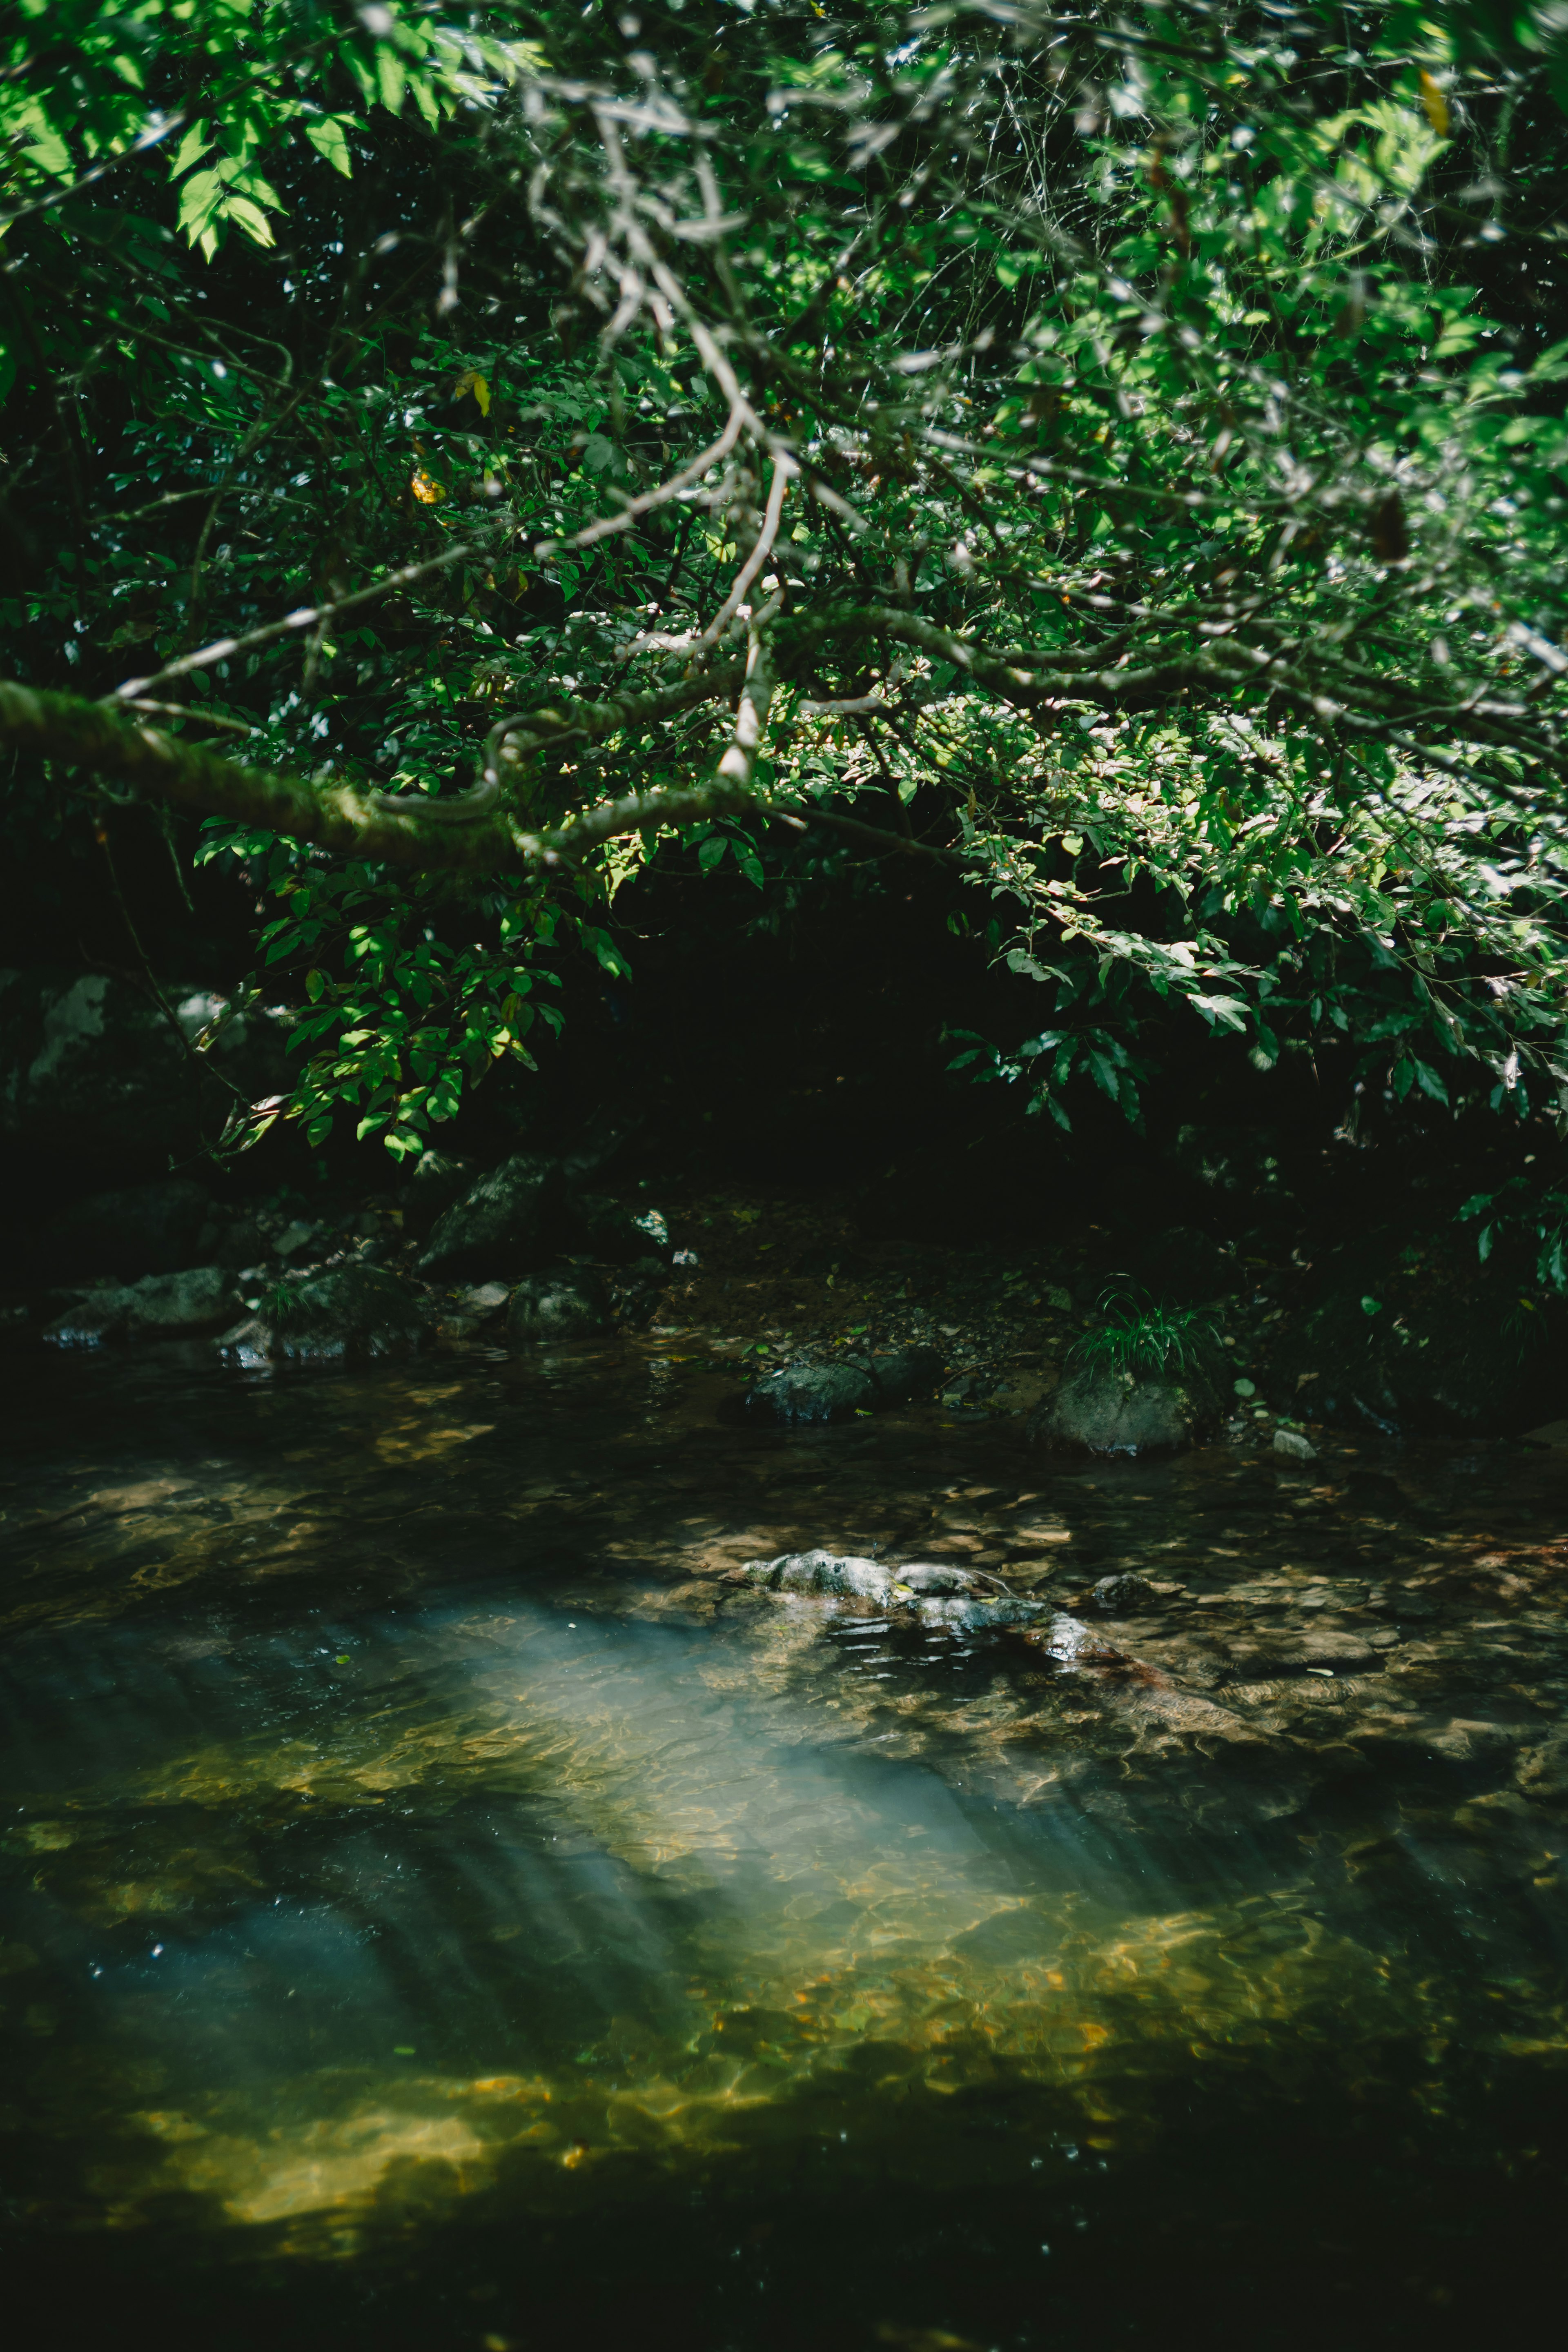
(439, 1907)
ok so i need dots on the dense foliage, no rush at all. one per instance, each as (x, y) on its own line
(1119, 453)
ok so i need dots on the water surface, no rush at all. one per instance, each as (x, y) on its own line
(438, 1908)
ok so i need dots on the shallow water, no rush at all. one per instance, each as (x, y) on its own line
(438, 1908)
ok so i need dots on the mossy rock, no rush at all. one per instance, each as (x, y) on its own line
(1104, 1408)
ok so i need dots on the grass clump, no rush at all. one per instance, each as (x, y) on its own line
(1136, 1333)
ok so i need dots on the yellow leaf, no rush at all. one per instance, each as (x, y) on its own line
(472, 381)
(1435, 105)
(429, 493)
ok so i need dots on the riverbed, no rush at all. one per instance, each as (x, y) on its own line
(444, 1903)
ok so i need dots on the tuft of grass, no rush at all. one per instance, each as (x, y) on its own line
(1139, 1334)
(278, 1300)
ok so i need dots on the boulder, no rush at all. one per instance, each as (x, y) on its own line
(502, 1225)
(350, 1311)
(1100, 1409)
(435, 1183)
(814, 1393)
(95, 1075)
(149, 1229)
(607, 1230)
(851, 1384)
(164, 1305)
(564, 1304)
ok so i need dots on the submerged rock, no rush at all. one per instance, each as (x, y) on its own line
(818, 1392)
(1102, 1410)
(348, 1311)
(566, 1304)
(162, 1306)
(501, 1225)
(1119, 1596)
(937, 1592)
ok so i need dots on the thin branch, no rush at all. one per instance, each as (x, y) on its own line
(784, 469)
(306, 617)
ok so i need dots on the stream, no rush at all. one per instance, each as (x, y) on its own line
(441, 1904)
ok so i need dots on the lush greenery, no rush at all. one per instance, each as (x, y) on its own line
(1119, 453)
(1136, 1333)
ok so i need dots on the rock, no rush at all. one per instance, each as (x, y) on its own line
(937, 1593)
(823, 1572)
(487, 1298)
(191, 1301)
(164, 1306)
(655, 1231)
(351, 1311)
(601, 1228)
(814, 1393)
(1294, 1446)
(294, 1239)
(97, 1077)
(1104, 1411)
(150, 1229)
(501, 1225)
(1542, 1772)
(566, 1304)
(241, 1244)
(436, 1182)
(1119, 1596)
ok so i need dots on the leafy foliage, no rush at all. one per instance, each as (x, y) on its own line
(1119, 454)
(1137, 1333)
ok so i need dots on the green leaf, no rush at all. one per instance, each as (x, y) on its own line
(194, 145)
(328, 136)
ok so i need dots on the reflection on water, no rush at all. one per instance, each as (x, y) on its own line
(414, 1841)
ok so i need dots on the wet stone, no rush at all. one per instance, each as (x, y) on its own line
(501, 1225)
(165, 1305)
(1119, 1596)
(833, 1391)
(1103, 1410)
(566, 1304)
(813, 1392)
(348, 1312)
(935, 1592)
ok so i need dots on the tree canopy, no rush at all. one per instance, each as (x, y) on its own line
(1117, 453)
